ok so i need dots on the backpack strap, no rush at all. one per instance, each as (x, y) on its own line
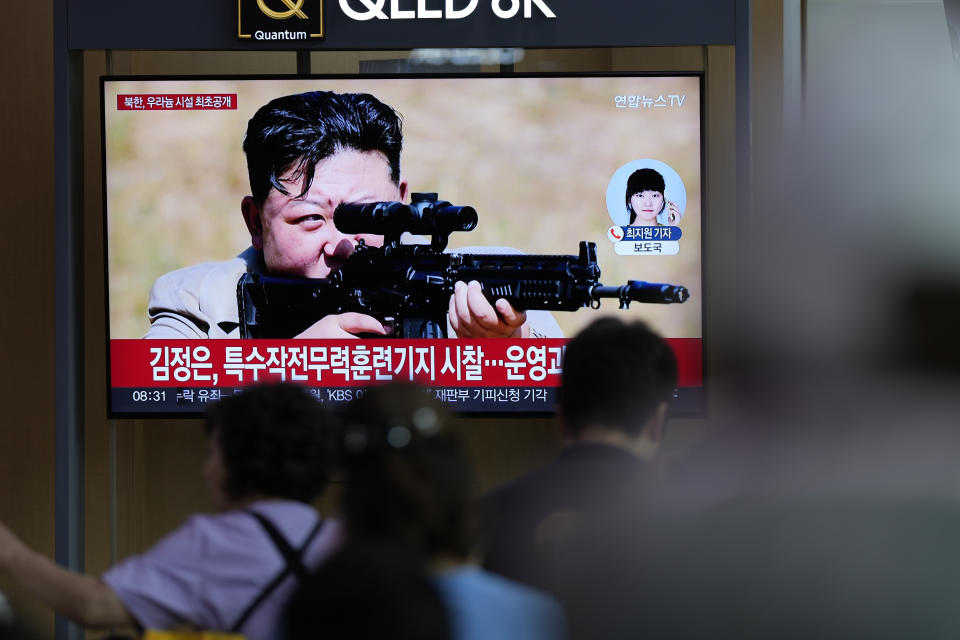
(293, 564)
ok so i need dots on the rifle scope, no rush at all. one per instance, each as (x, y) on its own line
(424, 215)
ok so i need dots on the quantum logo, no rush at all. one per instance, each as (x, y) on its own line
(293, 9)
(503, 9)
(258, 19)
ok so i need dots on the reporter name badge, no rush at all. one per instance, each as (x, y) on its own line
(645, 241)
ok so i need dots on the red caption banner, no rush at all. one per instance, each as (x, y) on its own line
(351, 363)
(176, 101)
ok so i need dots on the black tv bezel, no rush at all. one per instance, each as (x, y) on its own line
(694, 413)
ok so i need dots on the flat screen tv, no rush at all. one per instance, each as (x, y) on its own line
(519, 182)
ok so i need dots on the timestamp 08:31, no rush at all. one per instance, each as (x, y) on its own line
(149, 395)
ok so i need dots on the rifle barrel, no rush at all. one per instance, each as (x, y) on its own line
(639, 291)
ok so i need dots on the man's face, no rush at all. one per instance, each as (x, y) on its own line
(297, 235)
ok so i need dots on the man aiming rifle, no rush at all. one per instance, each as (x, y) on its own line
(306, 154)
(409, 284)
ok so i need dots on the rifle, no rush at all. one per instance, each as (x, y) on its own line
(409, 285)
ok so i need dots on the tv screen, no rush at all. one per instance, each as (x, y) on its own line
(553, 192)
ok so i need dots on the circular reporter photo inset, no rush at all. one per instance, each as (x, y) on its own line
(658, 196)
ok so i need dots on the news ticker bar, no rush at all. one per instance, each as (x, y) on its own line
(143, 401)
(216, 364)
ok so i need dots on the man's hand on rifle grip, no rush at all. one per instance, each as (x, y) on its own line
(472, 316)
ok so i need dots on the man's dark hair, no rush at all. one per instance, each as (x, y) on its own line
(615, 374)
(293, 133)
(368, 591)
(407, 478)
(275, 440)
(641, 180)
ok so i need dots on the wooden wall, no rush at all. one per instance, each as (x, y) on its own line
(27, 389)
